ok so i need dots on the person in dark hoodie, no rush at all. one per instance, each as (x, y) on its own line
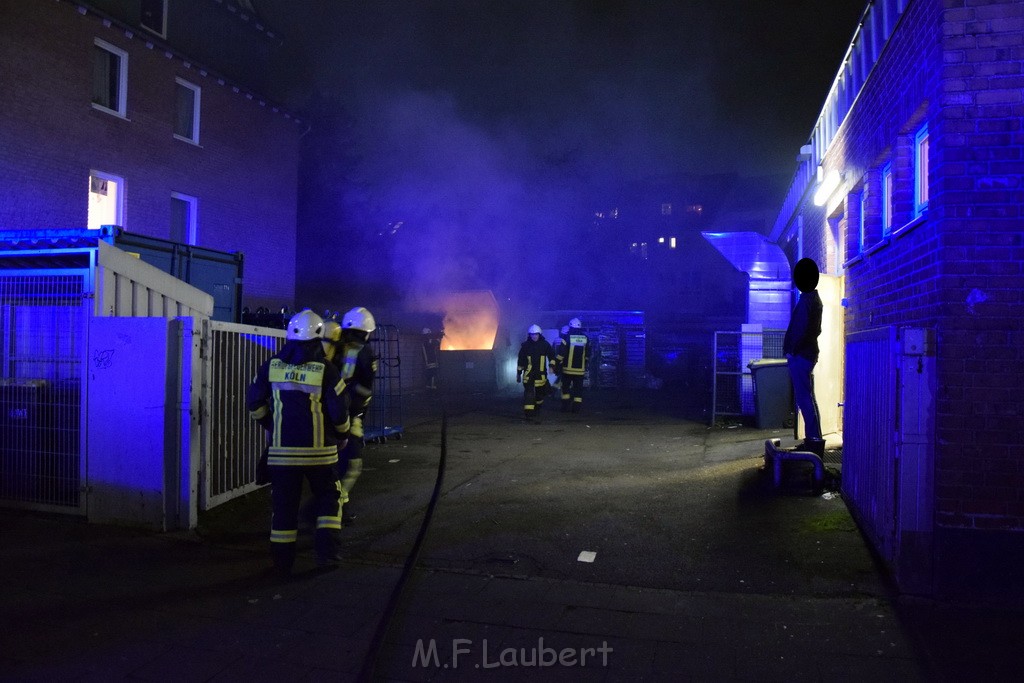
(800, 347)
(298, 397)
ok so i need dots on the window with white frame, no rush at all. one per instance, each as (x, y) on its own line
(921, 171)
(184, 223)
(109, 78)
(106, 200)
(862, 212)
(153, 16)
(186, 110)
(886, 200)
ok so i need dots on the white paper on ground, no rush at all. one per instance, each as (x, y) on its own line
(586, 556)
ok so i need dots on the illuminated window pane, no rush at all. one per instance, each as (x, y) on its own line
(104, 200)
(887, 200)
(861, 219)
(921, 171)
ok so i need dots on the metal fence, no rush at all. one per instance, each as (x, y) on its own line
(732, 392)
(384, 416)
(869, 459)
(232, 442)
(42, 349)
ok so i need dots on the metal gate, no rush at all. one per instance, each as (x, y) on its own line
(869, 451)
(43, 329)
(232, 442)
(733, 384)
(384, 416)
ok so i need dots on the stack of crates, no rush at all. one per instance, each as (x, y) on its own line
(619, 346)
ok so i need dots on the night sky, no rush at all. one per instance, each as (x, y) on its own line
(469, 117)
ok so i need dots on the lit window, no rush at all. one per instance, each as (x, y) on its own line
(886, 200)
(154, 16)
(186, 111)
(109, 78)
(921, 171)
(184, 210)
(105, 200)
(862, 210)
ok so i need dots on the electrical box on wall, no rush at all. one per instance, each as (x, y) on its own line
(916, 342)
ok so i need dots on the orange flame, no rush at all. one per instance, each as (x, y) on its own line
(470, 321)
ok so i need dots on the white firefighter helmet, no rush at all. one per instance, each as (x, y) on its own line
(575, 323)
(359, 319)
(534, 329)
(565, 329)
(426, 330)
(305, 325)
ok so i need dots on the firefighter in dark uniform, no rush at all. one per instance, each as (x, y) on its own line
(532, 369)
(572, 359)
(347, 346)
(558, 349)
(298, 397)
(431, 357)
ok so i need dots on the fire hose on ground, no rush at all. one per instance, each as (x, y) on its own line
(384, 625)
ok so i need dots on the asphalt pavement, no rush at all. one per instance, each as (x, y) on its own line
(624, 543)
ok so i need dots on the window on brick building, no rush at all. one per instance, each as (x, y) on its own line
(106, 200)
(886, 201)
(153, 16)
(862, 214)
(184, 215)
(186, 111)
(921, 171)
(109, 78)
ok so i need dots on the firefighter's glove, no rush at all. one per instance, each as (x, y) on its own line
(519, 377)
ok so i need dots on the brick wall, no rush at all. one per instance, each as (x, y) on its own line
(977, 169)
(244, 172)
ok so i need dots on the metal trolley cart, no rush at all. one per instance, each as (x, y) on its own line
(384, 416)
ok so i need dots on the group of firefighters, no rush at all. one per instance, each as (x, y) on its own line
(566, 360)
(312, 397)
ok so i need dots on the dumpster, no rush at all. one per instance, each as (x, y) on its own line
(773, 393)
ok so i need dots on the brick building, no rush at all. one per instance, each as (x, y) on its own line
(909, 193)
(112, 117)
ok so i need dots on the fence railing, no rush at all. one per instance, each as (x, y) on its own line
(732, 392)
(42, 351)
(232, 442)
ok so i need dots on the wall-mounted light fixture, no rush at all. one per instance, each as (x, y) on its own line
(827, 186)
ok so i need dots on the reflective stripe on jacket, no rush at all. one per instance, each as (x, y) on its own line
(573, 354)
(304, 408)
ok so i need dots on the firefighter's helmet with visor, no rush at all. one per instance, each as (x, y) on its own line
(359, 319)
(305, 325)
